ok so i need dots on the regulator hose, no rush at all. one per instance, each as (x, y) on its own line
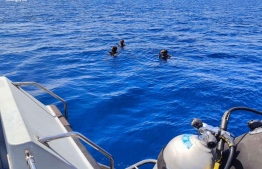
(226, 115)
(225, 138)
(229, 139)
(230, 157)
(225, 119)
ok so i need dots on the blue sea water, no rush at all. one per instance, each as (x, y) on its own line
(133, 104)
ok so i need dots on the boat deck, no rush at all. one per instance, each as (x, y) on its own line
(23, 121)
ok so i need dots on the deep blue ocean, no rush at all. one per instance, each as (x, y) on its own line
(132, 105)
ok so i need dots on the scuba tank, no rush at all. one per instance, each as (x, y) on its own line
(206, 150)
(186, 152)
(189, 151)
(202, 152)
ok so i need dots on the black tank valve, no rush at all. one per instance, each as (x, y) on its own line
(253, 124)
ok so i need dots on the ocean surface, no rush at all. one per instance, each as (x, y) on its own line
(132, 105)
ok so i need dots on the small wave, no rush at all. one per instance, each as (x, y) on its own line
(221, 55)
(187, 40)
(16, 0)
(250, 59)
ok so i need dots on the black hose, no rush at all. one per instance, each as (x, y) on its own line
(230, 157)
(223, 127)
(226, 115)
(225, 120)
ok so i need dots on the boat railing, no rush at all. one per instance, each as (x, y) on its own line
(29, 159)
(17, 84)
(140, 163)
(44, 140)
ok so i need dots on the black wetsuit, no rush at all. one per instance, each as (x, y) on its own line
(161, 56)
(113, 54)
(121, 46)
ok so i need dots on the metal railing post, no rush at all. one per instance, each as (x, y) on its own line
(29, 159)
(82, 137)
(44, 89)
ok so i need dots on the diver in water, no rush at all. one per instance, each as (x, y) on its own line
(113, 51)
(122, 43)
(164, 55)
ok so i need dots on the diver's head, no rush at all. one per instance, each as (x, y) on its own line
(164, 52)
(114, 49)
(122, 42)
